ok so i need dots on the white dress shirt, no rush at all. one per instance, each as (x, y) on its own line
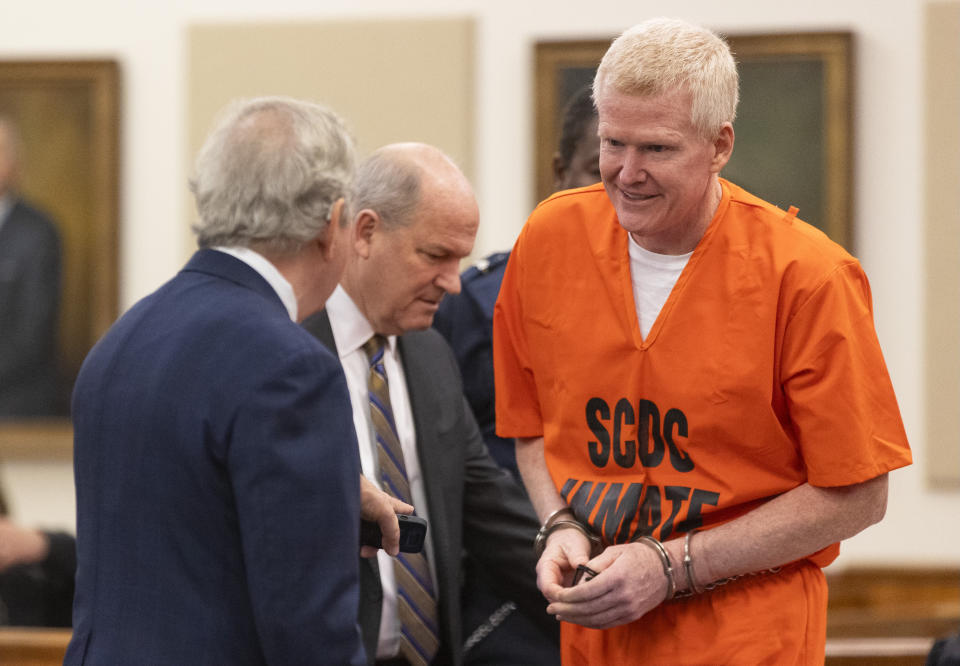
(350, 331)
(268, 272)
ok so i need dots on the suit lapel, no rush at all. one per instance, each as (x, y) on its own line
(419, 388)
(425, 376)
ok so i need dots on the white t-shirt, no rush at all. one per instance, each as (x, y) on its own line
(653, 276)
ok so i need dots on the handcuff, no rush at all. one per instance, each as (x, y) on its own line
(555, 521)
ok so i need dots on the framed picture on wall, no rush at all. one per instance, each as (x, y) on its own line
(794, 139)
(66, 114)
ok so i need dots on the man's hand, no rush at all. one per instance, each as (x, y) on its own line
(19, 545)
(631, 583)
(381, 508)
(566, 549)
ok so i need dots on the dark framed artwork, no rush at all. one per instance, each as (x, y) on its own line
(67, 113)
(794, 138)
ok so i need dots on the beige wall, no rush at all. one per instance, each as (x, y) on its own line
(942, 189)
(399, 80)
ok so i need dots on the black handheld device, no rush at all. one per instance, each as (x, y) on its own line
(413, 531)
(583, 573)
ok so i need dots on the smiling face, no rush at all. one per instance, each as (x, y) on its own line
(659, 172)
(400, 273)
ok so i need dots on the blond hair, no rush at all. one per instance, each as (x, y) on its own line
(662, 55)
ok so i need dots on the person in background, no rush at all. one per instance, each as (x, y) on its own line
(30, 268)
(218, 482)
(415, 218)
(36, 574)
(700, 402)
(577, 160)
(466, 321)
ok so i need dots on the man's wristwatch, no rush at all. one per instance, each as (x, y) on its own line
(562, 518)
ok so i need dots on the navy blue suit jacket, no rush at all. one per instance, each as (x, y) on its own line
(217, 483)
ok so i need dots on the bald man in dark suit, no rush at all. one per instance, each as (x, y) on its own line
(415, 218)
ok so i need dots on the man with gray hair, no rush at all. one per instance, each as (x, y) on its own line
(218, 500)
(415, 218)
(701, 404)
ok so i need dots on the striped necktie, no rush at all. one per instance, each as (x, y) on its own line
(416, 601)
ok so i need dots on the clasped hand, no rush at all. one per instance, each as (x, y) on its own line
(630, 582)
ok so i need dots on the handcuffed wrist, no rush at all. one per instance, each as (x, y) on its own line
(563, 518)
(664, 559)
(557, 515)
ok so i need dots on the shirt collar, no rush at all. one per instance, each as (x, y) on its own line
(350, 328)
(268, 272)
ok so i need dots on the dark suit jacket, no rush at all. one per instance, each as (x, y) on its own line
(474, 506)
(29, 310)
(41, 594)
(217, 483)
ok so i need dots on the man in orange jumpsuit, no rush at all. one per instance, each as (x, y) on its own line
(700, 401)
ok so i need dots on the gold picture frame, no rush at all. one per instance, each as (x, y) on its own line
(794, 134)
(68, 115)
